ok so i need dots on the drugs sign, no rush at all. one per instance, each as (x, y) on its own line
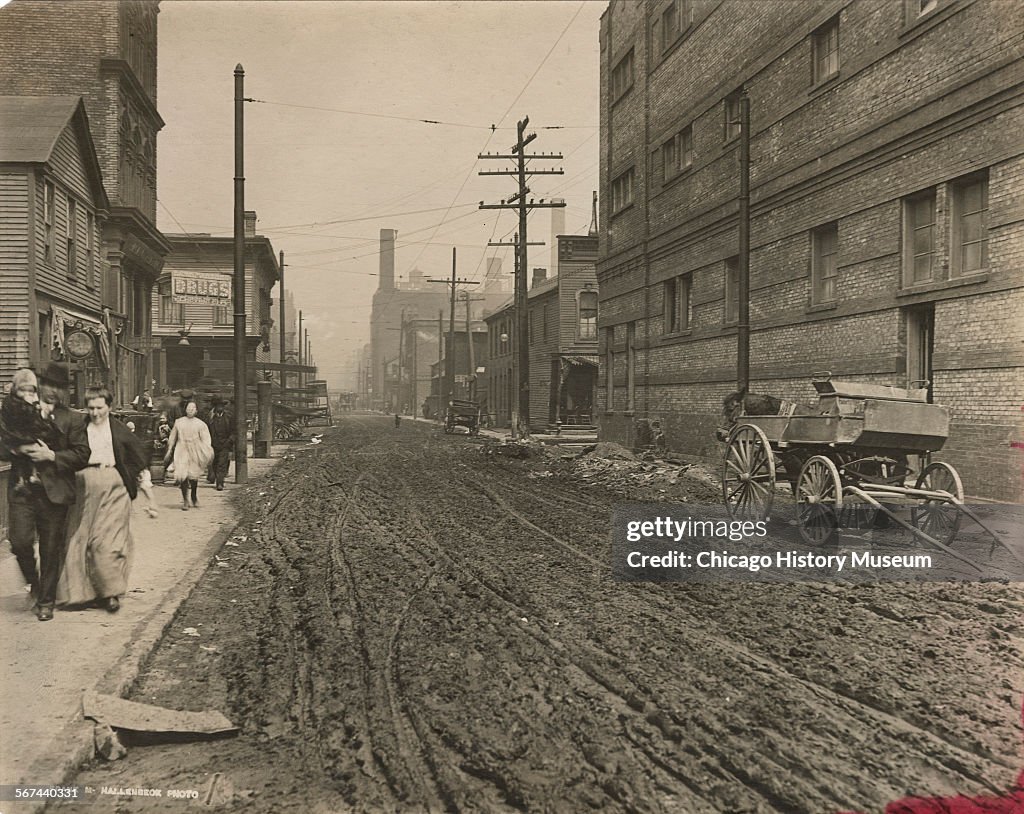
(201, 288)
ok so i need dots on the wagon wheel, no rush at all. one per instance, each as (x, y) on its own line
(819, 494)
(939, 518)
(748, 474)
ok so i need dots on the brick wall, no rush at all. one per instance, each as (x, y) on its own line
(916, 105)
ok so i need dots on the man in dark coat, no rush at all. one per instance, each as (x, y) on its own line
(222, 436)
(44, 509)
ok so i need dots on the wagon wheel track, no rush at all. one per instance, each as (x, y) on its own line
(597, 680)
(419, 769)
(868, 712)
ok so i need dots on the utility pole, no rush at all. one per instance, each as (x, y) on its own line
(449, 368)
(281, 330)
(743, 286)
(238, 284)
(401, 348)
(521, 352)
(471, 381)
(440, 357)
(298, 346)
(414, 403)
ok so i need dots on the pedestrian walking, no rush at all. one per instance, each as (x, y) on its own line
(190, 450)
(222, 437)
(99, 551)
(42, 508)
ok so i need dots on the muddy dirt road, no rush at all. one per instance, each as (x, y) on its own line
(410, 625)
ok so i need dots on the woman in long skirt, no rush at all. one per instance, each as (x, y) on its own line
(99, 554)
(192, 453)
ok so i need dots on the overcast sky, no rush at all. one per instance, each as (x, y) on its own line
(324, 182)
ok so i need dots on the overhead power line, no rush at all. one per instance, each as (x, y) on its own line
(438, 122)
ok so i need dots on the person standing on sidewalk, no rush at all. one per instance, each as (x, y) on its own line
(222, 436)
(191, 451)
(99, 552)
(43, 510)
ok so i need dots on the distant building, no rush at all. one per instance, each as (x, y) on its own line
(52, 210)
(193, 317)
(391, 304)
(106, 52)
(887, 229)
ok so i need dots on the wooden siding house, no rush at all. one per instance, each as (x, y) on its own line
(52, 210)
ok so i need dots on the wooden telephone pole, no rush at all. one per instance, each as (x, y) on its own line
(449, 371)
(518, 201)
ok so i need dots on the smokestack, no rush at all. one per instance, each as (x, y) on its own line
(250, 223)
(557, 228)
(539, 276)
(492, 280)
(386, 278)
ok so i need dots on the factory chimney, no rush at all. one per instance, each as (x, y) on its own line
(386, 277)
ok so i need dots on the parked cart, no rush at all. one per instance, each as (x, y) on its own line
(290, 421)
(849, 459)
(462, 413)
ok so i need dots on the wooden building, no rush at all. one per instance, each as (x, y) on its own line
(52, 210)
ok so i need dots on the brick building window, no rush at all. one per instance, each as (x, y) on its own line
(622, 191)
(677, 304)
(90, 249)
(588, 314)
(622, 75)
(171, 313)
(969, 238)
(544, 324)
(677, 153)
(222, 315)
(824, 262)
(49, 213)
(825, 51)
(71, 237)
(732, 291)
(732, 114)
(919, 238)
(631, 366)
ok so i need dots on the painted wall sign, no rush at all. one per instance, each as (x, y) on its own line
(201, 288)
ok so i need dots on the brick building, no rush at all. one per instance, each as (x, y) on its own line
(887, 213)
(195, 299)
(562, 337)
(105, 52)
(52, 208)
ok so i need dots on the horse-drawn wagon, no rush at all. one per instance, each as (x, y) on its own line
(847, 459)
(462, 413)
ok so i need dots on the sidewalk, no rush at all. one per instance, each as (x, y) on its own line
(46, 666)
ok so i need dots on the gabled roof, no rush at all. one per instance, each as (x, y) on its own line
(30, 127)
